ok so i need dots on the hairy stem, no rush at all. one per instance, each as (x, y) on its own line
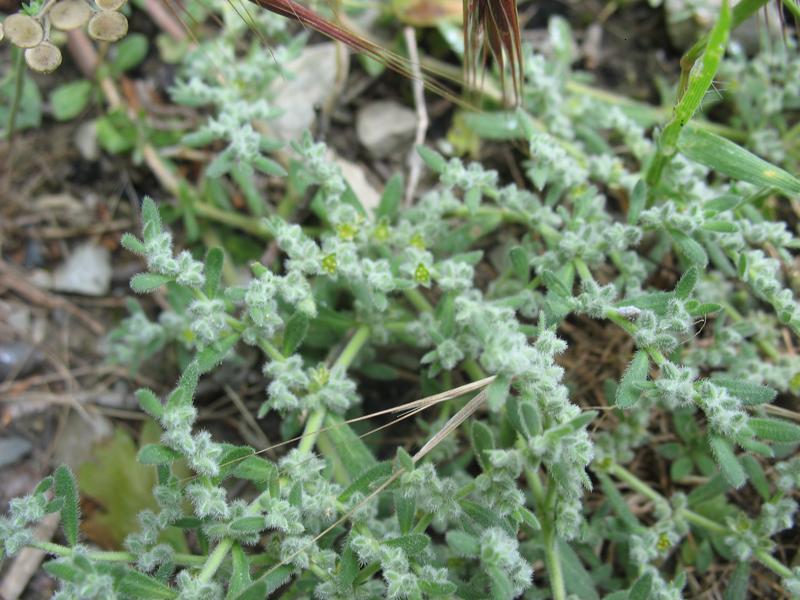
(694, 518)
(127, 557)
(544, 501)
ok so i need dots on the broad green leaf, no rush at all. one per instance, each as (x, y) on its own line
(747, 392)
(435, 161)
(295, 332)
(66, 489)
(576, 577)
(714, 487)
(151, 219)
(348, 569)
(655, 301)
(156, 454)
(628, 391)
(211, 356)
(529, 413)
(116, 133)
(775, 430)
(64, 570)
(131, 243)
(150, 403)
(344, 448)
(213, 270)
(391, 198)
(732, 160)
(129, 52)
(254, 468)
(727, 461)
(756, 475)
(405, 509)
(30, 105)
(494, 125)
(555, 284)
(403, 460)
(641, 589)
(122, 487)
(485, 517)
(412, 544)
(142, 283)
(687, 282)
(462, 543)
(690, 248)
(70, 99)
(269, 166)
(501, 586)
(519, 263)
(637, 202)
(436, 589)
(445, 314)
(240, 571)
(497, 392)
(252, 524)
(138, 585)
(738, 583)
(482, 442)
(44, 485)
(364, 483)
(618, 503)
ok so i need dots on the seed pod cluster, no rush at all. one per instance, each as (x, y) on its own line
(102, 19)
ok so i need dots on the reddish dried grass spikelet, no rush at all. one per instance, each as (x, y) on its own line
(492, 26)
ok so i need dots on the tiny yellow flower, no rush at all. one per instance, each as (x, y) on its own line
(329, 264)
(421, 274)
(418, 242)
(347, 231)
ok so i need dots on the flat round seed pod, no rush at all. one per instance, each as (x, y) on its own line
(70, 14)
(2, 32)
(110, 4)
(44, 58)
(108, 26)
(23, 31)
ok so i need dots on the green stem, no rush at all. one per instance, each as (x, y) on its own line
(317, 418)
(246, 223)
(554, 572)
(697, 519)
(214, 560)
(545, 508)
(582, 269)
(19, 80)
(743, 10)
(688, 104)
(59, 550)
(420, 302)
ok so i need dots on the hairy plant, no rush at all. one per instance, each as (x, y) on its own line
(672, 240)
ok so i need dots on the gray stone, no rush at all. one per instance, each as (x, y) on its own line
(385, 127)
(12, 449)
(314, 73)
(87, 271)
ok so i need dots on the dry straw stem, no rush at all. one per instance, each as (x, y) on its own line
(492, 26)
(409, 408)
(400, 64)
(457, 419)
